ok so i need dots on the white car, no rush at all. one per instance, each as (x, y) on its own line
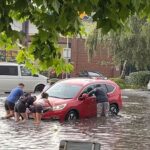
(11, 74)
(148, 85)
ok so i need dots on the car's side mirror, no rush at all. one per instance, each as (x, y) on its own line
(83, 97)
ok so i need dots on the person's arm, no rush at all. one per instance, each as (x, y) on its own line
(91, 92)
(47, 101)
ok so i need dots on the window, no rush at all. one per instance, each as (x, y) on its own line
(88, 89)
(63, 90)
(25, 71)
(93, 74)
(110, 88)
(83, 74)
(9, 70)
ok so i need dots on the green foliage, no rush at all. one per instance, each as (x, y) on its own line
(61, 17)
(121, 82)
(53, 80)
(140, 78)
(131, 44)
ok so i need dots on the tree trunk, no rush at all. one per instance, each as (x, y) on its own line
(123, 70)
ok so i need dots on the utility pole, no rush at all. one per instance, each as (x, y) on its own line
(67, 54)
(25, 30)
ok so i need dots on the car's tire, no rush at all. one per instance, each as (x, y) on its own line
(39, 88)
(72, 116)
(114, 109)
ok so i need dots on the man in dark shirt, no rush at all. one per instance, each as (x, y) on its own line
(102, 100)
(21, 105)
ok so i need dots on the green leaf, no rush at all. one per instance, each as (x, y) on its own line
(43, 35)
(124, 2)
(136, 4)
(38, 2)
(21, 56)
(94, 2)
(56, 5)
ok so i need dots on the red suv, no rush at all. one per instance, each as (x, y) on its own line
(68, 103)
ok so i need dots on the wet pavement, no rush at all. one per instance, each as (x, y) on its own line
(128, 131)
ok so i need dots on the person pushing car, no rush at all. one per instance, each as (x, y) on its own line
(102, 100)
(12, 98)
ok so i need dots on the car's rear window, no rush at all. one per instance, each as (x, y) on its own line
(9, 70)
(63, 90)
(110, 88)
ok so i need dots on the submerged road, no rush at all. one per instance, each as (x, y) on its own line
(128, 131)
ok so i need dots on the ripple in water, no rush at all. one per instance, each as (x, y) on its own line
(129, 131)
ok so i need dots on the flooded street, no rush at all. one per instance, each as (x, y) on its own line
(128, 131)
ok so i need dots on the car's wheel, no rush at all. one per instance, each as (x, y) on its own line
(114, 109)
(71, 116)
(39, 88)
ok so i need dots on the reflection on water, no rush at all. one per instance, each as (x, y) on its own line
(129, 131)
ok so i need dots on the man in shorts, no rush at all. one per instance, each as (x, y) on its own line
(12, 98)
(21, 105)
(102, 100)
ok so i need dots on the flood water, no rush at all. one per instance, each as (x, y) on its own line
(128, 131)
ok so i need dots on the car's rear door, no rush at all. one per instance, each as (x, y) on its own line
(110, 92)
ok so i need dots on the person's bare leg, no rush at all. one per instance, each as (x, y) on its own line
(34, 117)
(11, 114)
(27, 113)
(16, 116)
(106, 108)
(7, 112)
(38, 117)
(99, 110)
(24, 117)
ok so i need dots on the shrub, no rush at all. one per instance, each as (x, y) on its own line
(140, 78)
(120, 82)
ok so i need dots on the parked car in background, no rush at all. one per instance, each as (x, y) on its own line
(69, 101)
(11, 74)
(92, 74)
(148, 85)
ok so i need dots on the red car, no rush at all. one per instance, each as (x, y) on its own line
(69, 103)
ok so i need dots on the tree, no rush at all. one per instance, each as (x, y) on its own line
(60, 17)
(129, 46)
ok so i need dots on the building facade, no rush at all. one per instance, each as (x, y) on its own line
(101, 62)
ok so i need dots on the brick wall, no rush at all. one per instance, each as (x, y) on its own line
(102, 60)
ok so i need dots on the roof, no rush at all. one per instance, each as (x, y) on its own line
(84, 81)
(8, 63)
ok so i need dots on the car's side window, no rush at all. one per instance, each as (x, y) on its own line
(25, 71)
(110, 88)
(9, 70)
(87, 90)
